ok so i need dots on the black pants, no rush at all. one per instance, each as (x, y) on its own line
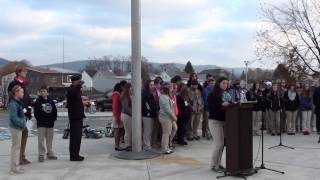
(318, 122)
(182, 126)
(75, 137)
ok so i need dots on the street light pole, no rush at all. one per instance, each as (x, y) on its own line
(136, 74)
(247, 64)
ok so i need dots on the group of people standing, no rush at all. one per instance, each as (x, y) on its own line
(171, 112)
(45, 113)
(283, 107)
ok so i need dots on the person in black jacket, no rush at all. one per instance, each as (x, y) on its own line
(316, 102)
(255, 94)
(218, 100)
(291, 101)
(21, 80)
(184, 114)
(76, 115)
(274, 106)
(45, 112)
(149, 113)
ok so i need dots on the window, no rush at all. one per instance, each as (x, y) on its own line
(52, 79)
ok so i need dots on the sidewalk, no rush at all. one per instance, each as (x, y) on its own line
(188, 163)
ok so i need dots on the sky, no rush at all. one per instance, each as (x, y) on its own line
(217, 32)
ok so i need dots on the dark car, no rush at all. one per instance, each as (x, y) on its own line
(105, 103)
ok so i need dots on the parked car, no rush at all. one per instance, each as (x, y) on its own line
(86, 101)
(105, 103)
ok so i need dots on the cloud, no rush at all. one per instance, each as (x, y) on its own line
(109, 34)
(19, 23)
(204, 31)
(207, 20)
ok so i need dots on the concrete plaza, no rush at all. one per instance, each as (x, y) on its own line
(188, 163)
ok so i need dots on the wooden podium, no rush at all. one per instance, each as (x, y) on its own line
(238, 133)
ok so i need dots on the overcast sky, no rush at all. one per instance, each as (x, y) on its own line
(219, 32)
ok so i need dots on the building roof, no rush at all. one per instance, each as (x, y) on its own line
(91, 72)
(52, 70)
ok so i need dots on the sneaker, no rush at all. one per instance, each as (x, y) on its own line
(167, 152)
(16, 171)
(119, 149)
(218, 170)
(172, 147)
(183, 143)
(129, 149)
(41, 159)
(24, 162)
(306, 133)
(52, 157)
(197, 138)
(272, 134)
(190, 139)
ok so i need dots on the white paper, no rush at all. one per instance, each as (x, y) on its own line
(29, 125)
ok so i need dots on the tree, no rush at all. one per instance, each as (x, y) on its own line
(10, 67)
(144, 69)
(282, 72)
(189, 69)
(292, 35)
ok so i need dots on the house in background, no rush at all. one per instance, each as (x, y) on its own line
(165, 76)
(87, 77)
(101, 81)
(57, 79)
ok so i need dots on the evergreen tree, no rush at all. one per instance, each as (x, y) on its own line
(189, 69)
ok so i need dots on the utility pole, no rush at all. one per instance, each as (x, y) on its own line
(62, 59)
(247, 64)
(136, 74)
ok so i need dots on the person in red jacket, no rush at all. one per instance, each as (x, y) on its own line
(116, 111)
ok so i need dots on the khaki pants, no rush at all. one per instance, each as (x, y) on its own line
(193, 125)
(126, 120)
(174, 131)
(205, 125)
(274, 121)
(306, 120)
(23, 144)
(256, 121)
(166, 132)
(299, 121)
(217, 131)
(147, 131)
(45, 136)
(16, 137)
(291, 117)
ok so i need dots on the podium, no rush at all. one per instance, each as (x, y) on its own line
(239, 145)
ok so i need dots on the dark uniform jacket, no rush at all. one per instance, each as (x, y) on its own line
(74, 103)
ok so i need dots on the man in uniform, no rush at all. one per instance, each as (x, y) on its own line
(76, 115)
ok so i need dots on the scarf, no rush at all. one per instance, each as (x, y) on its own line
(292, 95)
(22, 80)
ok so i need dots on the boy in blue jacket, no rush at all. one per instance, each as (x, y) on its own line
(45, 112)
(17, 123)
